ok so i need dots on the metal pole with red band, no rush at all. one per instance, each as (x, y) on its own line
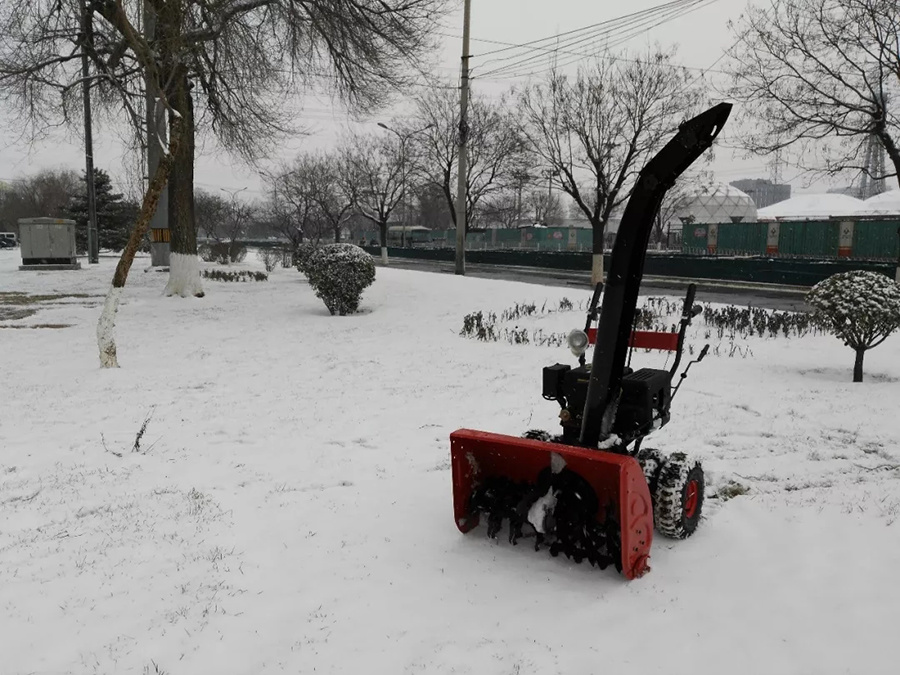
(845, 239)
(773, 234)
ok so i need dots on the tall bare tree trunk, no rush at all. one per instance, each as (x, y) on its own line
(382, 228)
(106, 325)
(858, 365)
(184, 266)
(597, 257)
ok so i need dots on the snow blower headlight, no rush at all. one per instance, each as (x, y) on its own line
(578, 342)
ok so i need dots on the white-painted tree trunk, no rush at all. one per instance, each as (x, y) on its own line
(384, 257)
(106, 339)
(184, 276)
(597, 269)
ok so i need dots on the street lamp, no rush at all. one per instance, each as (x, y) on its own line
(403, 139)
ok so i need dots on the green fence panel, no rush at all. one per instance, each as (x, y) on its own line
(820, 239)
(694, 239)
(741, 239)
(509, 237)
(790, 240)
(788, 271)
(877, 240)
(872, 239)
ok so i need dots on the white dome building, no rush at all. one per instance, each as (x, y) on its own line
(884, 204)
(716, 203)
(812, 207)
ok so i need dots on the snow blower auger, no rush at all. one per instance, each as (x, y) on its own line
(591, 492)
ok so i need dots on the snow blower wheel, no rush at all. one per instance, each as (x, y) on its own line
(678, 498)
(651, 461)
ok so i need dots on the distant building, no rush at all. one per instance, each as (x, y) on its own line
(848, 190)
(813, 207)
(762, 191)
(715, 203)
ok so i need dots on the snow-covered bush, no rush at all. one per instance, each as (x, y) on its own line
(302, 253)
(269, 257)
(239, 275)
(861, 308)
(222, 252)
(339, 273)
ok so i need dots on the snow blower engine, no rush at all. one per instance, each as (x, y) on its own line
(592, 492)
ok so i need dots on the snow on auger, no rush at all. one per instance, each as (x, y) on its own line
(591, 492)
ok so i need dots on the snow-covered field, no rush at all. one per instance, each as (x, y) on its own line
(290, 508)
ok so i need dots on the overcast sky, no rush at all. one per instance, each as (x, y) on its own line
(701, 37)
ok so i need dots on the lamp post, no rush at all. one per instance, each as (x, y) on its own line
(403, 139)
(87, 39)
(462, 155)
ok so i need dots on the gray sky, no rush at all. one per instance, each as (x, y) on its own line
(701, 36)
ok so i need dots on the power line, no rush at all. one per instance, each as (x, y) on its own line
(607, 22)
(604, 57)
(629, 28)
(543, 64)
(709, 69)
(627, 22)
(554, 44)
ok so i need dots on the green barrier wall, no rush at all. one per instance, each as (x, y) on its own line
(872, 239)
(794, 272)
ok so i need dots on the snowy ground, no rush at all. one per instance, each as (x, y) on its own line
(292, 511)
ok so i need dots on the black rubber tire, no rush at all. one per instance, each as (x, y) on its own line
(651, 461)
(678, 497)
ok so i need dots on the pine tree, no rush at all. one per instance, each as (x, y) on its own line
(115, 215)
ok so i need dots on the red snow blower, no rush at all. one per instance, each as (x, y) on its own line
(591, 492)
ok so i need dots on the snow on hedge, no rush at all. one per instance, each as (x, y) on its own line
(302, 253)
(861, 308)
(339, 273)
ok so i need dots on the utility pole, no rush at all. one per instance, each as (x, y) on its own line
(463, 137)
(87, 39)
(519, 205)
(549, 197)
(156, 135)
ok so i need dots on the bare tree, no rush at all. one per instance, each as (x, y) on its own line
(431, 206)
(308, 197)
(546, 207)
(286, 217)
(45, 193)
(225, 66)
(42, 43)
(496, 147)
(210, 212)
(224, 222)
(371, 174)
(596, 130)
(333, 202)
(820, 77)
(500, 209)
